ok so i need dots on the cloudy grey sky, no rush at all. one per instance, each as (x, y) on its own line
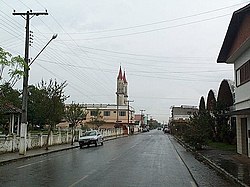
(167, 48)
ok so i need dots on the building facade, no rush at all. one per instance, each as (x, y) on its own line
(236, 50)
(180, 116)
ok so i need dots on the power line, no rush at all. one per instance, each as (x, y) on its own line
(158, 22)
(151, 30)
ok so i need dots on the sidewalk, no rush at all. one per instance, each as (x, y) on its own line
(6, 158)
(230, 164)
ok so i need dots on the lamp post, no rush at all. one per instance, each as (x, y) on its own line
(128, 113)
(24, 122)
(53, 37)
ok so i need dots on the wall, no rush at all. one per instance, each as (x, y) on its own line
(242, 97)
(11, 143)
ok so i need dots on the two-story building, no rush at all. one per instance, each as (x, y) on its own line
(236, 50)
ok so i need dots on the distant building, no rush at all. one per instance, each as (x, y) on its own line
(236, 50)
(180, 116)
(183, 112)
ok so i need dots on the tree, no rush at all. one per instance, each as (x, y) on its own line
(74, 113)
(202, 104)
(225, 100)
(97, 119)
(54, 104)
(8, 96)
(14, 66)
(211, 107)
(37, 110)
(198, 131)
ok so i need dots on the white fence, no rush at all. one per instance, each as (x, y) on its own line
(11, 143)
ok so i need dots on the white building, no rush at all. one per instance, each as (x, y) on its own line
(236, 50)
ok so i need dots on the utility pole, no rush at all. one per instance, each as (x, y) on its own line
(142, 123)
(128, 110)
(27, 16)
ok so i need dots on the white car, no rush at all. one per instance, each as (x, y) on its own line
(91, 137)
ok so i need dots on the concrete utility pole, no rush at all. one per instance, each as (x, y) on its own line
(27, 16)
(128, 110)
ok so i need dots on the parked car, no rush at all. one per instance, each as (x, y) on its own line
(166, 130)
(91, 137)
(145, 130)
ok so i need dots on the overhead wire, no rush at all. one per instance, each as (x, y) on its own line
(157, 22)
(93, 77)
(27, 6)
(138, 73)
(150, 30)
(69, 36)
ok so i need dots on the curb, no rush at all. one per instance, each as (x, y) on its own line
(220, 169)
(213, 165)
(4, 162)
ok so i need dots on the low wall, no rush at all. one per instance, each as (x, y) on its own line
(11, 143)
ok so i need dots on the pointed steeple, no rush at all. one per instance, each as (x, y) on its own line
(120, 74)
(124, 78)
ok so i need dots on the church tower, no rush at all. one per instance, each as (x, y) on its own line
(122, 91)
(125, 88)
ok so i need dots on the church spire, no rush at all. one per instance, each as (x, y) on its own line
(120, 74)
(124, 78)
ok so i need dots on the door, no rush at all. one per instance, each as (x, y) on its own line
(244, 136)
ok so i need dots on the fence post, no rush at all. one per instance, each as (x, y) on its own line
(67, 136)
(59, 135)
(51, 138)
(41, 139)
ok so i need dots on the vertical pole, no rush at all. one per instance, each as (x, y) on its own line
(117, 112)
(12, 123)
(117, 107)
(18, 124)
(128, 113)
(24, 121)
(23, 133)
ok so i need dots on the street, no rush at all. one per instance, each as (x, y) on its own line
(148, 159)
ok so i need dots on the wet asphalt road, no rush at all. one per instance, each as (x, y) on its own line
(147, 159)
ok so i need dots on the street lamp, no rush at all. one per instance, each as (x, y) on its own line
(53, 37)
(24, 122)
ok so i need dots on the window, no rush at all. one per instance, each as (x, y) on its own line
(243, 74)
(93, 113)
(122, 113)
(106, 113)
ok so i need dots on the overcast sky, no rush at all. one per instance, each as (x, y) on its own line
(167, 48)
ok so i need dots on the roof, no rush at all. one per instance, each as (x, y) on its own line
(232, 31)
(138, 117)
(124, 78)
(120, 74)
(10, 109)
